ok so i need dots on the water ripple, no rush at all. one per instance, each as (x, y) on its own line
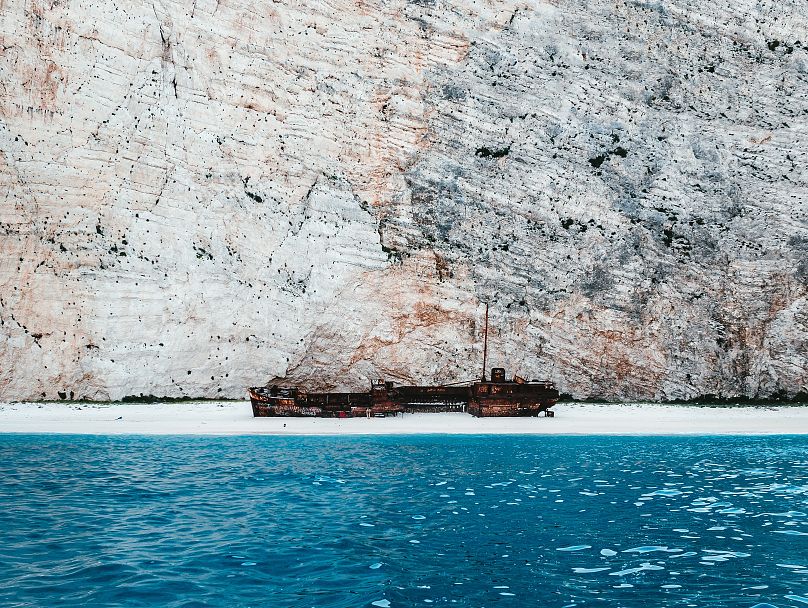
(395, 521)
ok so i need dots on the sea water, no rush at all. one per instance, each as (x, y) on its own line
(403, 521)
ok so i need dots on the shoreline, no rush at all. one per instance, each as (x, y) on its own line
(235, 418)
(723, 402)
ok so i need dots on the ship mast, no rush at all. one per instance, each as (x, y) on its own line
(485, 343)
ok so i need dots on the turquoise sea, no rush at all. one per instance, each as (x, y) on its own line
(403, 521)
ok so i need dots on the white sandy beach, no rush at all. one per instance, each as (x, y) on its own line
(235, 418)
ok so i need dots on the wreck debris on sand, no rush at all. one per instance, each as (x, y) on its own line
(496, 397)
(483, 398)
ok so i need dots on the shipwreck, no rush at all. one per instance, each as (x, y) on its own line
(496, 395)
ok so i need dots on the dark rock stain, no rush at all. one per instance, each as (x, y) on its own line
(485, 152)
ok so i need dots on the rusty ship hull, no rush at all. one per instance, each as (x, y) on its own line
(515, 397)
(494, 398)
(483, 398)
(285, 402)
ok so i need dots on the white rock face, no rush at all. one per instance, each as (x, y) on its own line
(201, 196)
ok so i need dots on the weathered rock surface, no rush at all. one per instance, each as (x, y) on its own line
(204, 195)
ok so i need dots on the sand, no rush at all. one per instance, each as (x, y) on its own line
(235, 418)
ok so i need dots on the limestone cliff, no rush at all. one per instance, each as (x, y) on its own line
(197, 196)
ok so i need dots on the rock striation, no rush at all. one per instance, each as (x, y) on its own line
(197, 196)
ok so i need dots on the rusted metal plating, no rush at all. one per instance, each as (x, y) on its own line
(482, 398)
(497, 397)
